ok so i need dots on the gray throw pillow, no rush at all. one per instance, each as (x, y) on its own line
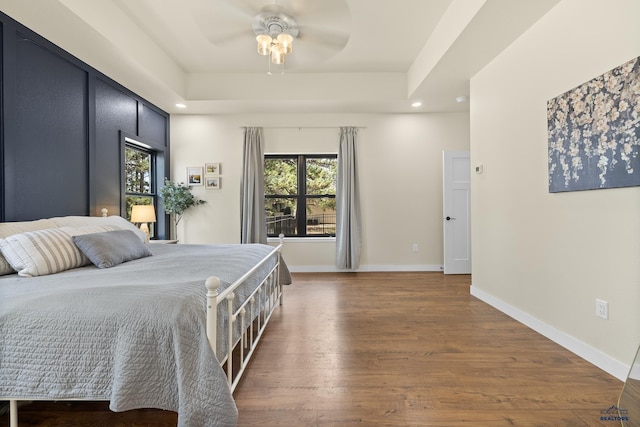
(111, 248)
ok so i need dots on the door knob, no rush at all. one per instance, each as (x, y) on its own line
(449, 218)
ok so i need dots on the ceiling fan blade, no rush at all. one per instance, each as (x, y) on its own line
(330, 38)
(239, 8)
(324, 23)
(231, 38)
(320, 13)
(224, 22)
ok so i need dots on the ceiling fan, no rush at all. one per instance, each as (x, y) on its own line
(319, 29)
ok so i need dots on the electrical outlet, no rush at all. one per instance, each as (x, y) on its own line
(602, 309)
(415, 247)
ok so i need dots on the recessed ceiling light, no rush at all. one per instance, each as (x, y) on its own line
(181, 106)
(416, 104)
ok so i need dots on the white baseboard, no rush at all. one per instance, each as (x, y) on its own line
(581, 349)
(363, 268)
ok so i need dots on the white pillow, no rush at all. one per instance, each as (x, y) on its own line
(9, 228)
(42, 252)
(113, 220)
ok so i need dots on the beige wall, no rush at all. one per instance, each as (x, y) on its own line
(400, 161)
(547, 257)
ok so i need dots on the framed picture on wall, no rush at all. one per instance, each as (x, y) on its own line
(212, 183)
(212, 169)
(194, 175)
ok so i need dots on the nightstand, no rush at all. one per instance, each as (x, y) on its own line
(165, 242)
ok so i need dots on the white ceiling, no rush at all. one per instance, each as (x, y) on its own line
(351, 56)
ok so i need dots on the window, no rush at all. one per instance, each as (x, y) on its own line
(140, 184)
(300, 195)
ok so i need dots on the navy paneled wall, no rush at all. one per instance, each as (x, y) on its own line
(60, 125)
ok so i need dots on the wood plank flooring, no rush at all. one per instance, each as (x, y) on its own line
(392, 349)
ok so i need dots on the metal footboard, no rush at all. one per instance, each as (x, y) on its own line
(253, 315)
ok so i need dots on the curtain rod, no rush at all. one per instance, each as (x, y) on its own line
(304, 127)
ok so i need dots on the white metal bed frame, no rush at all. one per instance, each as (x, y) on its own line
(260, 306)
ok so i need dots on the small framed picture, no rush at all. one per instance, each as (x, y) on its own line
(212, 183)
(194, 176)
(212, 169)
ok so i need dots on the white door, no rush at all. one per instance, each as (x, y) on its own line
(456, 215)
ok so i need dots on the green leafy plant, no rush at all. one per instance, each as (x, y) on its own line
(177, 198)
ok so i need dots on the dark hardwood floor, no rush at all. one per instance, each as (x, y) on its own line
(391, 349)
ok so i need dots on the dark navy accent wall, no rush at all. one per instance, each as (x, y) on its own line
(2, 185)
(153, 125)
(48, 132)
(60, 127)
(115, 111)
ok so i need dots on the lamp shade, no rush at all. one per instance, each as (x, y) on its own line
(286, 41)
(264, 44)
(277, 54)
(143, 213)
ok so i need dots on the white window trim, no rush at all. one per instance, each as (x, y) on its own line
(302, 239)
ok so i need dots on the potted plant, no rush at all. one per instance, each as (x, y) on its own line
(177, 198)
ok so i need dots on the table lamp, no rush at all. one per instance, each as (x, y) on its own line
(143, 214)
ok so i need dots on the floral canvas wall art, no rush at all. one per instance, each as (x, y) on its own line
(594, 132)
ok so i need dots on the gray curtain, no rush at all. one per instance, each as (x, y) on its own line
(348, 232)
(253, 222)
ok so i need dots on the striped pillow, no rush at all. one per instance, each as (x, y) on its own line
(9, 228)
(37, 253)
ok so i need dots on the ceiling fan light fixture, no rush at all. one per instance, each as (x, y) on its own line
(275, 30)
(286, 41)
(264, 44)
(277, 54)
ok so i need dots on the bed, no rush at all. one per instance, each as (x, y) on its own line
(173, 329)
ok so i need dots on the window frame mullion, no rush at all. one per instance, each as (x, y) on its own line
(302, 196)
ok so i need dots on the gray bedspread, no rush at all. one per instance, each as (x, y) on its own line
(133, 334)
